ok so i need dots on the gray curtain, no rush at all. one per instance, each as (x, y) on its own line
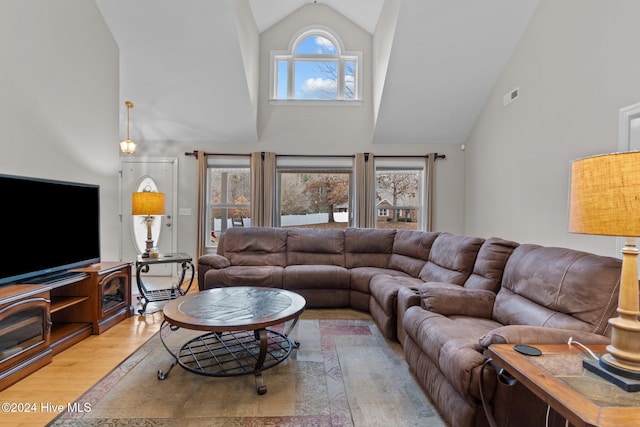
(263, 181)
(429, 166)
(365, 187)
(201, 226)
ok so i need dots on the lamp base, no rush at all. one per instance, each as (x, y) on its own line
(623, 378)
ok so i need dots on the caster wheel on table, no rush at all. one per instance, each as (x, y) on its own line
(161, 374)
(262, 390)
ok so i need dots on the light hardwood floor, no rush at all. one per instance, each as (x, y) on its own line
(75, 370)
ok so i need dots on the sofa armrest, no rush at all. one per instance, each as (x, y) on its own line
(523, 334)
(209, 262)
(213, 261)
(407, 297)
(447, 299)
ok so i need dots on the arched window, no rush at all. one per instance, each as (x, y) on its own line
(316, 67)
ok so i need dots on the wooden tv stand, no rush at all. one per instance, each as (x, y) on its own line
(38, 321)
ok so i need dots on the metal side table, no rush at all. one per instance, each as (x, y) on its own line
(155, 295)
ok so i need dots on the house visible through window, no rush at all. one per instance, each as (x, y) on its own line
(316, 68)
(399, 191)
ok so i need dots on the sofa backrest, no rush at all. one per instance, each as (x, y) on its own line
(558, 288)
(488, 268)
(315, 246)
(451, 259)
(255, 246)
(367, 247)
(411, 251)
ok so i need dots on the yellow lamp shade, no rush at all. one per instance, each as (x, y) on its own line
(147, 203)
(605, 195)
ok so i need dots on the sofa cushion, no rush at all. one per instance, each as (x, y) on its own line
(361, 277)
(490, 262)
(315, 277)
(411, 251)
(451, 259)
(256, 246)
(315, 246)
(367, 247)
(558, 288)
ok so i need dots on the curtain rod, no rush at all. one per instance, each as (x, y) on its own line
(194, 153)
(437, 156)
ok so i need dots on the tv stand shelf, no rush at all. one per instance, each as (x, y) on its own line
(60, 303)
(40, 320)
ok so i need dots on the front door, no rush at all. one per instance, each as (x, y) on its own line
(148, 175)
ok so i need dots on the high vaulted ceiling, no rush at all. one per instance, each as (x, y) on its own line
(445, 59)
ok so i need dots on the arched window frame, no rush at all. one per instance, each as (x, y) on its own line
(342, 57)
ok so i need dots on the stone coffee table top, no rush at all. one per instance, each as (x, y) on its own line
(233, 308)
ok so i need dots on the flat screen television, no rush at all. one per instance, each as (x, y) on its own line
(50, 227)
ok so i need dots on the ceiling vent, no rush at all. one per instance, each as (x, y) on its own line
(511, 96)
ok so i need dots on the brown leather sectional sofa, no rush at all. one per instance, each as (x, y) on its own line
(444, 297)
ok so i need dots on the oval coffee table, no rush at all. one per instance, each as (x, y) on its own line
(237, 341)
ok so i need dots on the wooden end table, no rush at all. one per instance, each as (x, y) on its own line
(558, 378)
(237, 341)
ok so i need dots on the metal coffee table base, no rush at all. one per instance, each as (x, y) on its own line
(225, 354)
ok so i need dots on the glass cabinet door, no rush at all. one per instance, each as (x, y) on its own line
(113, 288)
(23, 326)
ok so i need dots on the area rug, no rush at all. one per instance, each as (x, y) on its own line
(343, 374)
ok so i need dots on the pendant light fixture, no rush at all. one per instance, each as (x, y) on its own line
(128, 146)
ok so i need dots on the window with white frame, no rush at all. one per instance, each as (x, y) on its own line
(399, 193)
(316, 67)
(314, 192)
(228, 195)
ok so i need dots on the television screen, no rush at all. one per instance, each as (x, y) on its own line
(51, 227)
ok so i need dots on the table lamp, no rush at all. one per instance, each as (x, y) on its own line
(147, 203)
(605, 200)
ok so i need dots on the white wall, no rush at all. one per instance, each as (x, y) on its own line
(58, 100)
(314, 130)
(576, 66)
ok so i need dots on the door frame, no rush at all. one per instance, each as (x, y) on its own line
(626, 116)
(174, 209)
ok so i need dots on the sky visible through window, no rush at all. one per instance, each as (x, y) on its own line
(315, 79)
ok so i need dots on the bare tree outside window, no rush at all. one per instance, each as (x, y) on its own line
(314, 199)
(293, 198)
(327, 192)
(330, 70)
(398, 194)
(316, 69)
